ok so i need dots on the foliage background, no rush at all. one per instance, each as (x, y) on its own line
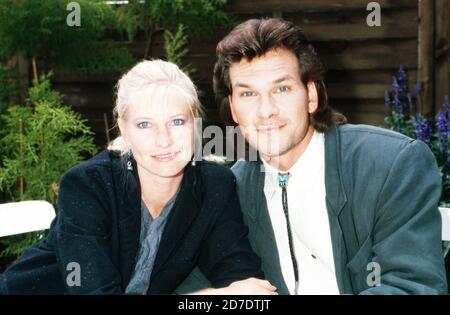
(39, 142)
(41, 137)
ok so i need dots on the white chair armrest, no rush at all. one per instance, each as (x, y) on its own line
(445, 213)
(25, 216)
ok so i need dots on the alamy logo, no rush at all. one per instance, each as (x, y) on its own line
(73, 279)
(374, 277)
(374, 17)
(74, 17)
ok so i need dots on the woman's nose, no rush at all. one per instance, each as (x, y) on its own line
(164, 138)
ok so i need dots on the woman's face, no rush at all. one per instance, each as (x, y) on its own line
(160, 131)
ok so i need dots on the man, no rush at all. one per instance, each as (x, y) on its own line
(332, 208)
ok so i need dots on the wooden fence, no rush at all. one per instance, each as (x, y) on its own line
(361, 60)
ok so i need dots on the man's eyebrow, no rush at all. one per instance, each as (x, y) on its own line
(283, 78)
(242, 85)
(287, 77)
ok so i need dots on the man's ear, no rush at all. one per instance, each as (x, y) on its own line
(313, 97)
(233, 113)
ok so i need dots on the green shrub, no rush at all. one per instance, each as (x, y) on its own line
(175, 46)
(41, 140)
(38, 30)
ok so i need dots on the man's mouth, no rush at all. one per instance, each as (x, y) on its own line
(269, 128)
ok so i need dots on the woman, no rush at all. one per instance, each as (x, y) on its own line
(138, 217)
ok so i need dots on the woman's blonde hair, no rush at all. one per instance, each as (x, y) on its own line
(150, 75)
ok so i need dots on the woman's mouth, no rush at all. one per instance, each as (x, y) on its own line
(166, 157)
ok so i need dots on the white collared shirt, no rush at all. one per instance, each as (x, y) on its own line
(309, 221)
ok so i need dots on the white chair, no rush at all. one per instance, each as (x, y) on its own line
(25, 216)
(445, 213)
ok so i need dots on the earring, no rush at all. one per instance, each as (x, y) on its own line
(129, 163)
(193, 161)
(129, 166)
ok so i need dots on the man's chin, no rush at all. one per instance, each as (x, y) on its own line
(270, 153)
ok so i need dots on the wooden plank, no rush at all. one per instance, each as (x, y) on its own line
(357, 90)
(426, 55)
(62, 77)
(367, 76)
(265, 6)
(373, 118)
(389, 46)
(408, 15)
(442, 54)
(98, 95)
(371, 112)
(368, 61)
(394, 47)
(364, 105)
(332, 32)
(339, 61)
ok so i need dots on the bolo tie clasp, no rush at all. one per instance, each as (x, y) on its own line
(283, 179)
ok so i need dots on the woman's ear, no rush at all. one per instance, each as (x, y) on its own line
(121, 124)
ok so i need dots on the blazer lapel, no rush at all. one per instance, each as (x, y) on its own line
(336, 200)
(263, 238)
(129, 220)
(185, 209)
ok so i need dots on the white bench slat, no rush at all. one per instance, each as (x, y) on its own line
(25, 216)
(445, 213)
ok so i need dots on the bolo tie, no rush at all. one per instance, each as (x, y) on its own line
(283, 179)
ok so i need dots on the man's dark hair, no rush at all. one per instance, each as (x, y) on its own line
(254, 38)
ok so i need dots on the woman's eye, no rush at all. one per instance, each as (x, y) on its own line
(282, 89)
(178, 122)
(144, 125)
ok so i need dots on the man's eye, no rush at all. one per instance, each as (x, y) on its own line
(247, 94)
(282, 89)
(144, 125)
(178, 122)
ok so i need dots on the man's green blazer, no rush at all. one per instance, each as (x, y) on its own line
(382, 194)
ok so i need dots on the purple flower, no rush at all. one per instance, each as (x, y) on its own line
(402, 80)
(442, 128)
(402, 102)
(442, 123)
(398, 106)
(423, 130)
(395, 85)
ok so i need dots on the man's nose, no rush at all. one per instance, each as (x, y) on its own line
(267, 107)
(164, 137)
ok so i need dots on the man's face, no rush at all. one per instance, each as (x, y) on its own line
(270, 103)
